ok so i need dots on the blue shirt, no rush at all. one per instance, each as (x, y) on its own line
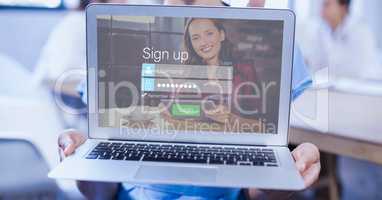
(301, 79)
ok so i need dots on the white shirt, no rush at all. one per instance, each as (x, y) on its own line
(65, 48)
(350, 51)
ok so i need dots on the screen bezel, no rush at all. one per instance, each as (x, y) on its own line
(285, 15)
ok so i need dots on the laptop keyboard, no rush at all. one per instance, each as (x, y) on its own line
(184, 153)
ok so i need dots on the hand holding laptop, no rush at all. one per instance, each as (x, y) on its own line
(68, 141)
(307, 160)
(306, 155)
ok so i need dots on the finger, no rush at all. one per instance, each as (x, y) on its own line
(69, 141)
(160, 105)
(311, 174)
(77, 140)
(165, 114)
(64, 141)
(162, 108)
(64, 137)
(224, 109)
(305, 155)
(70, 149)
(301, 165)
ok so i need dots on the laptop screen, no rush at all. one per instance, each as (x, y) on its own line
(189, 74)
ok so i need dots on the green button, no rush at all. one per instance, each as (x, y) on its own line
(185, 110)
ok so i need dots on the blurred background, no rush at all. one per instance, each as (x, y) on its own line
(42, 44)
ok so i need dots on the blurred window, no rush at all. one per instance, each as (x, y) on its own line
(31, 3)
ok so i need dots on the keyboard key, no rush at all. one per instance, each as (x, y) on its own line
(116, 144)
(256, 163)
(91, 156)
(105, 157)
(103, 144)
(230, 161)
(244, 163)
(132, 158)
(119, 157)
(216, 161)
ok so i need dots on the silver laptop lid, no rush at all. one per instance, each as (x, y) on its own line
(189, 74)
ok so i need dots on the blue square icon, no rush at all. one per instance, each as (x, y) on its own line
(148, 84)
(148, 69)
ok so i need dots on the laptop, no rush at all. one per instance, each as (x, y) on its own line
(187, 96)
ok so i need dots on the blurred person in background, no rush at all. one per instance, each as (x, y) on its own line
(65, 49)
(342, 43)
(64, 52)
(345, 46)
(306, 155)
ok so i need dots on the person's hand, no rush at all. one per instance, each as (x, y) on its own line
(68, 142)
(219, 114)
(307, 159)
(164, 112)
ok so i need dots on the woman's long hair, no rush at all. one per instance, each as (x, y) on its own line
(225, 54)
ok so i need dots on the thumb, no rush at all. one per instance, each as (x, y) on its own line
(305, 155)
(70, 148)
(66, 144)
(69, 141)
(301, 165)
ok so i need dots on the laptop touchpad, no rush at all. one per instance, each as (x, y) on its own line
(176, 173)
